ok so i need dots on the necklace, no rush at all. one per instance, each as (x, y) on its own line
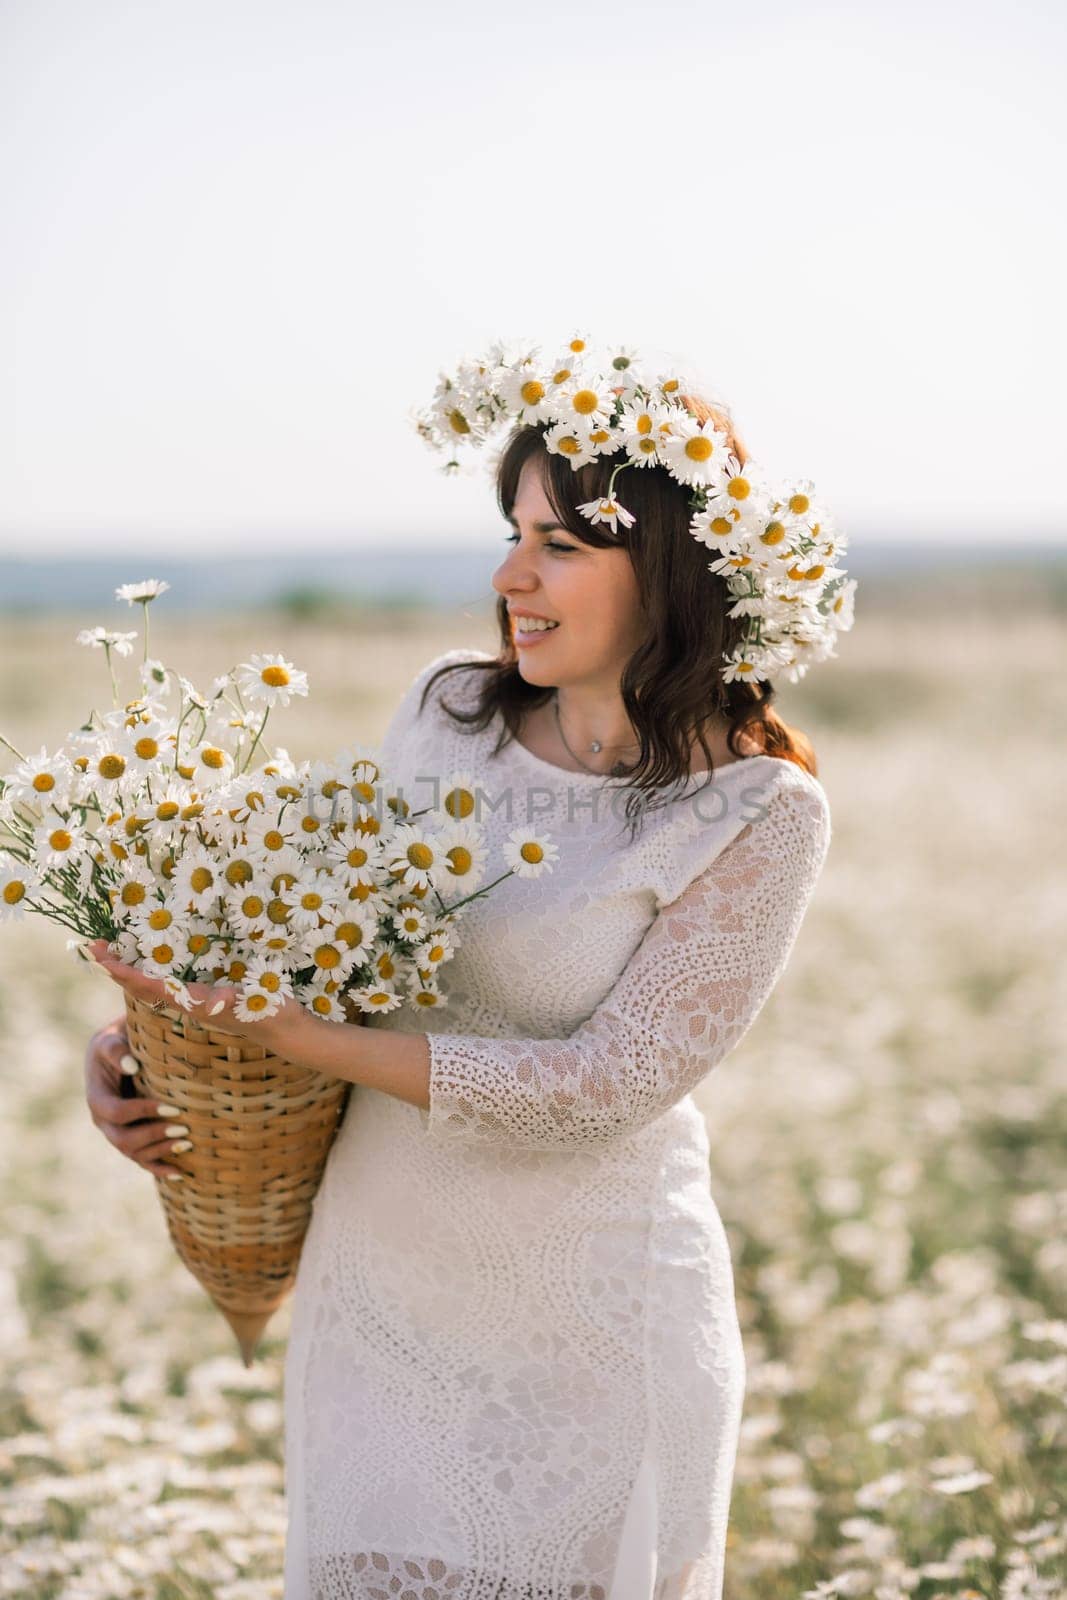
(617, 770)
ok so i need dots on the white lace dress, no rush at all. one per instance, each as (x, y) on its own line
(515, 1370)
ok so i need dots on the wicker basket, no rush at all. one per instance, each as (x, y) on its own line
(261, 1130)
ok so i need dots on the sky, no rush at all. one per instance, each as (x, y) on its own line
(241, 239)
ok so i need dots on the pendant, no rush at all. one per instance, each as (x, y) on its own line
(596, 747)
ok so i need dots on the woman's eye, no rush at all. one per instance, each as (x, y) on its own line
(552, 544)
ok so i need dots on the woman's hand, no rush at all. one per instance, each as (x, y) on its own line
(214, 1004)
(133, 1126)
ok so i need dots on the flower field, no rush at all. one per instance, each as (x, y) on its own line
(887, 1155)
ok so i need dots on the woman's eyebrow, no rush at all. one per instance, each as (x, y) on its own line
(538, 527)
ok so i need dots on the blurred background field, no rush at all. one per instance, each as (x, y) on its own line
(887, 1143)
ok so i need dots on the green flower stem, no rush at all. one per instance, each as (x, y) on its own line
(255, 741)
(11, 747)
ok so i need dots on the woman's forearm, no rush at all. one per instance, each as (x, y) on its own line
(379, 1058)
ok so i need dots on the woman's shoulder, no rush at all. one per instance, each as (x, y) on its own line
(794, 816)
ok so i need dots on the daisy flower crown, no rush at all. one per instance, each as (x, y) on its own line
(775, 546)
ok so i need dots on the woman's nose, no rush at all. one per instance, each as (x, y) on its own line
(512, 573)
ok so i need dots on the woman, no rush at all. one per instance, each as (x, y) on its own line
(515, 1367)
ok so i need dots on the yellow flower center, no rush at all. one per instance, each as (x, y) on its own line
(327, 957)
(273, 840)
(568, 446)
(60, 839)
(237, 872)
(773, 533)
(311, 901)
(256, 1002)
(167, 810)
(798, 504)
(357, 856)
(163, 953)
(271, 981)
(458, 422)
(322, 1005)
(437, 952)
(146, 749)
(349, 933)
(460, 859)
(531, 851)
(13, 892)
(111, 766)
(43, 782)
(252, 906)
(198, 943)
(213, 757)
(160, 918)
(459, 802)
(133, 894)
(532, 392)
(275, 677)
(278, 912)
(699, 448)
(420, 855)
(200, 879)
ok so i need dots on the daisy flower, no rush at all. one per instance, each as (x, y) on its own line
(207, 765)
(268, 834)
(141, 593)
(528, 394)
(246, 909)
(694, 452)
(572, 442)
(198, 879)
(270, 680)
(740, 493)
(435, 951)
(57, 841)
(464, 856)
(312, 898)
(322, 1002)
(18, 880)
(376, 997)
(608, 510)
(145, 746)
(584, 403)
(155, 679)
(357, 930)
(41, 780)
(642, 425)
(458, 800)
(107, 767)
(426, 996)
(359, 853)
(410, 923)
(106, 639)
(413, 857)
(331, 958)
(529, 854)
(136, 888)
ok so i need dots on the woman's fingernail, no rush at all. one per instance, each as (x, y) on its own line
(128, 1065)
(168, 1111)
(182, 1146)
(176, 1130)
(175, 1177)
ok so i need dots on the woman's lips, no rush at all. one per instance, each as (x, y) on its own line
(525, 640)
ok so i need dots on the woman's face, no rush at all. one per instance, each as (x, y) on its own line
(590, 593)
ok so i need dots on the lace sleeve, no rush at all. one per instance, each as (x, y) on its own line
(689, 993)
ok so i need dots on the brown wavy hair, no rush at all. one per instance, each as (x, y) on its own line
(671, 685)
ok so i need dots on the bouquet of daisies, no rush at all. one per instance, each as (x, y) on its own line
(167, 826)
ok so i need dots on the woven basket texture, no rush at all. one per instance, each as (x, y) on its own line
(261, 1129)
